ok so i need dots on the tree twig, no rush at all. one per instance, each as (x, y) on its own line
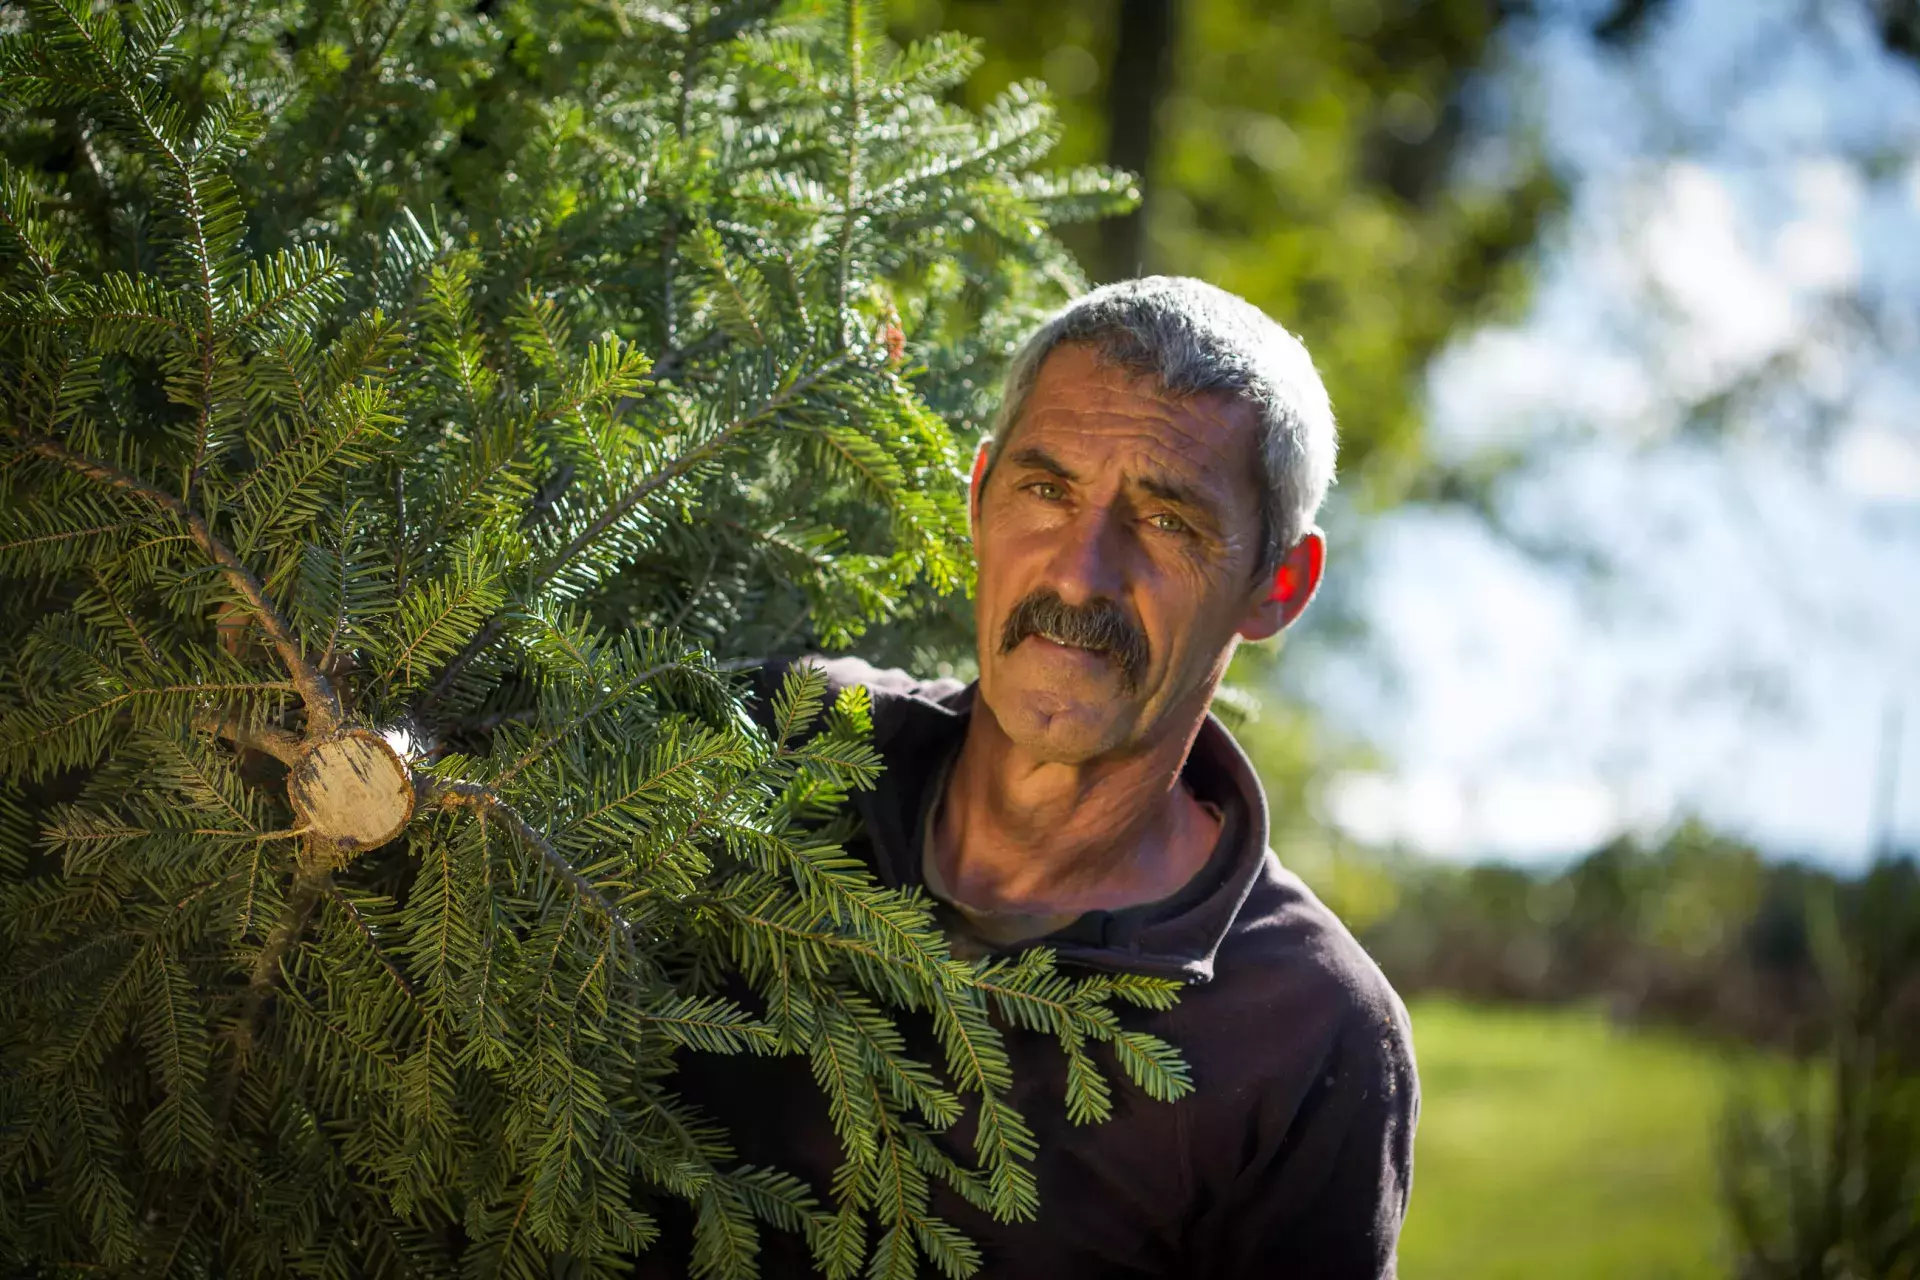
(309, 883)
(668, 367)
(323, 705)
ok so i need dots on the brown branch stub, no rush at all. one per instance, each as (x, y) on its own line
(323, 705)
(282, 745)
(453, 794)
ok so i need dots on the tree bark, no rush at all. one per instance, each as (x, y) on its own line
(1141, 74)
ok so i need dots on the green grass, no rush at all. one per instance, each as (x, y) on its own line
(1554, 1145)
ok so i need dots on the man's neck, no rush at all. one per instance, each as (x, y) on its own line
(1015, 833)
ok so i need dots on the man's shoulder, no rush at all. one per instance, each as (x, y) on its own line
(1302, 1120)
(1292, 970)
(1286, 931)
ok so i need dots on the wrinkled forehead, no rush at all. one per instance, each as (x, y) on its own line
(1110, 415)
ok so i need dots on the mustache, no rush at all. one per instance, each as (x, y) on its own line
(1100, 625)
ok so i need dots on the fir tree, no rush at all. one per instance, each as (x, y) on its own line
(415, 418)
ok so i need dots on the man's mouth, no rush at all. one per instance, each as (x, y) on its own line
(1098, 627)
(1065, 643)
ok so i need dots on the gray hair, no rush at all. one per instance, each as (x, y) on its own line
(1197, 338)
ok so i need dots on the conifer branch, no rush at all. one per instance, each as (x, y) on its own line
(451, 793)
(157, 136)
(22, 234)
(622, 506)
(851, 195)
(599, 703)
(670, 250)
(518, 483)
(366, 931)
(71, 535)
(316, 691)
(309, 883)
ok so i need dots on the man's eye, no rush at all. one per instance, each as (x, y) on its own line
(1046, 491)
(1167, 523)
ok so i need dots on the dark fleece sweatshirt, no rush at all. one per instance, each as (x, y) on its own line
(1291, 1159)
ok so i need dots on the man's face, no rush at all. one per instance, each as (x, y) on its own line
(1117, 538)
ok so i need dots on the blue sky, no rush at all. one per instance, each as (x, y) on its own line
(1745, 617)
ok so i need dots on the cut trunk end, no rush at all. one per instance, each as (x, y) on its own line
(352, 790)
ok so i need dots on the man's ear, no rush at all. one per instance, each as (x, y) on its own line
(973, 485)
(1287, 592)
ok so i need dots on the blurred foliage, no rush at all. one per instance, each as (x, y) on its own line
(1829, 1185)
(1695, 929)
(1326, 161)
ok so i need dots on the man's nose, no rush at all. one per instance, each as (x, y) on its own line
(1089, 561)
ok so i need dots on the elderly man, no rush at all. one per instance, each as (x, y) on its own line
(1145, 503)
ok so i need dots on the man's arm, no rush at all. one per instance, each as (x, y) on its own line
(1327, 1201)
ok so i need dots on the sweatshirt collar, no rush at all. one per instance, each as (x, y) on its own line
(1179, 937)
